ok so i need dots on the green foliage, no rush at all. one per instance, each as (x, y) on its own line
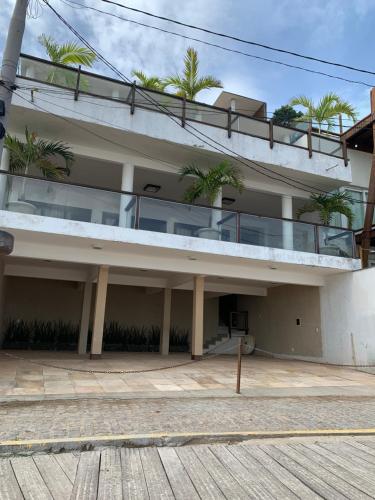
(208, 183)
(152, 82)
(286, 116)
(189, 83)
(38, 153)
(326, 110)
(327, 205)
(68, 53)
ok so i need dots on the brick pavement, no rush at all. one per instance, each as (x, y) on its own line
(92, 417)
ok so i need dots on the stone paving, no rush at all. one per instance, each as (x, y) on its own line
(92, 417)
(217, 376)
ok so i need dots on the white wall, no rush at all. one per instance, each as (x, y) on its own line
(361, 166)
(348, 318)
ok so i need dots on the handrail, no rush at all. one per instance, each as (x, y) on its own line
(169, 200)
(183, 102)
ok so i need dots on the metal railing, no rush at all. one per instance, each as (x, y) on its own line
(83, 84)
(79, 202)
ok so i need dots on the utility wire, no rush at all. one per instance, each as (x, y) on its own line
(241, 40)
(219, 147)
(221, 47)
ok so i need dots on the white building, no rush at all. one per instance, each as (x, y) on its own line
(118, 227)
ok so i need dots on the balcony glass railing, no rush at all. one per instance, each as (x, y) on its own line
(84, 83)
(62, 200)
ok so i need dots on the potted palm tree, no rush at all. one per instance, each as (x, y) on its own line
(36, 153)
(68, 54)
(208, 185)
(189, 83)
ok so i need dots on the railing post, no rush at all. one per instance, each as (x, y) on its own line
(316, 236)
(238, 228)
(132, 98)
(76, 92)
(137, 212)
(344, 151)
(271, 133)
(183, 117)
(229, 126)
(309, 140)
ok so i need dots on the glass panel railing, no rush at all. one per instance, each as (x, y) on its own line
(334, 241)
(207, 114)
(290, 136)
(65, 201)
(277, 233)
(250, 126)
(327, 146)
(186, 220)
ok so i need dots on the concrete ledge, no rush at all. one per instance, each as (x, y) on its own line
(86, 443)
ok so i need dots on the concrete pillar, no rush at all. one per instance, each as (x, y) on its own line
(166, 326)
(5, 161)
(99, 313)
(85, 317)
(198, 312)
(127, 184)
(2, 300)
(216, 215)
(287, 213)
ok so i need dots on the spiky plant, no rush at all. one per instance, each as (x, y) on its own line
(325, 111)
(189, 83)
(152, 82)
(40, 154)
(208, 183)
(327, 205)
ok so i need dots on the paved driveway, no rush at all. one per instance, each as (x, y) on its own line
(331, 469)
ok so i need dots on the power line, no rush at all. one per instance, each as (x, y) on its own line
(237, 39)
(237, 157)
(221, 47)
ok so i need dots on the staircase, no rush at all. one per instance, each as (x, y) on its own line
(221, 343)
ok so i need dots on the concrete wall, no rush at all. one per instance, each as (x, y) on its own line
(361, 166)
(46, 299)
(273, 320)
(348, 318)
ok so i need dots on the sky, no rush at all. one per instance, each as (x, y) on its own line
(337, 30)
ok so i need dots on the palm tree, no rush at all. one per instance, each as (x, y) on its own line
(208, 184)
(188, 84)
(325, 111)
(68, 54)
(39, 154)
(327, 205)
(152, 82)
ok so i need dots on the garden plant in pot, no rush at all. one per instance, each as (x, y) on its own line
(208, 184)
(35, 154)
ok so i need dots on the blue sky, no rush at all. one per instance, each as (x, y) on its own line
(338, 30)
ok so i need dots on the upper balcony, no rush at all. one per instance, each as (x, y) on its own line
(90, 98)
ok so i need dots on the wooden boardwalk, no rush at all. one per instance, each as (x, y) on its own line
(306, 469)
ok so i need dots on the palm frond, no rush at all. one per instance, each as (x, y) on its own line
(152, 82)
(68, 53)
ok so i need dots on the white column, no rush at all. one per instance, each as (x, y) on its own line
(198, 315)
(127, 184)
(85, 317)
(5, 160)
(166, 326)
(287, 213)
(99, 313)
(216, 215)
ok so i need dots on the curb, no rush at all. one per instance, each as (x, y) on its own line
(86, 443)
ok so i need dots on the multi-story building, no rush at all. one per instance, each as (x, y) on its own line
(119, 221)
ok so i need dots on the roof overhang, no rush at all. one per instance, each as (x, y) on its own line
(360, 136)
(244, 105)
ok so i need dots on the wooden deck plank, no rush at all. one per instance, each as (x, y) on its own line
(182, 487)
(350, 451)
(55, 478)
(9, 489)
(336, 476)
(271, 484)
(203, 482)
(68, 462)
(86, 481)
(133, 479)
(352, 464)
(283, 475)
(222, 477)
(361, 445)
(110, 475)
(29, 479)
(246, 479)
(308, 478)
(156, 479)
